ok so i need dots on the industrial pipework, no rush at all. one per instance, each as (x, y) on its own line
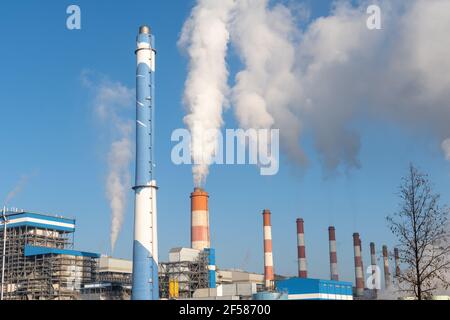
(145, 244)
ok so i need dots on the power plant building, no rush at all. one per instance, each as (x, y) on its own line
(315, 289)
(112, 281)
(187, 270)
(39, 260)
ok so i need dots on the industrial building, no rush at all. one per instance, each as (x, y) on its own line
(112, 280)
(315, 289)
(38, 260)
(187, 270)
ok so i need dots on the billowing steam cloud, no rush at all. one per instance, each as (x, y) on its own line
(321, 78)
(398, 74)
(264, 90)
(112, 104)
(205, 37)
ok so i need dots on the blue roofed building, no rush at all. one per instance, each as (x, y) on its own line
(315, 289)
(40, 261)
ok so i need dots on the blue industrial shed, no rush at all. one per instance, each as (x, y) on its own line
(315, 289)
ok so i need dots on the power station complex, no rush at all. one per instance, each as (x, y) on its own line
(39, 261)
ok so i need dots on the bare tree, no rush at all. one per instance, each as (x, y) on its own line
(420, 226)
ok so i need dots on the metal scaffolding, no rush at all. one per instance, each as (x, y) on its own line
(46, 276)
(185, 276)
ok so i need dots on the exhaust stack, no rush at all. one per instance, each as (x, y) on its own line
(373, 262)
(200, 239)
(397, 262)
(333, 255)
(145, 244)
(359, 280)
(268, 255)
(387, 275)
(373, 257)
(301, 252)
(362, 264)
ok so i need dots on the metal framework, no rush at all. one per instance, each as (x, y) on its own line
(189, 276)
(43, 276)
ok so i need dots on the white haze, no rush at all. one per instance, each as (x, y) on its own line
(205, 38)
(112, 103)
(17, 189)
(323, 78)
(446, 148)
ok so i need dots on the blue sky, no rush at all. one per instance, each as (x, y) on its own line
(49, 133)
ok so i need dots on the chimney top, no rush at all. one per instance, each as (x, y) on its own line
(144, 29)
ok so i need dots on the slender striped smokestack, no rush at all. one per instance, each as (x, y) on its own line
(362, 263)
(397, 262)
(387, 275)
(199, 220)
(268, 256)
(373, 257)
(333, 255)
(359, 280)
(301, 252)
(373, 262)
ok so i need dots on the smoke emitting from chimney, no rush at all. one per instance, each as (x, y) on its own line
(205, 37)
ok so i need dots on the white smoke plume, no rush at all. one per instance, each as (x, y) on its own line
(322, 78)
(118, 182)
(338, 71)
(113, 103)
(264, 90)
(205, 38)
(23, 181)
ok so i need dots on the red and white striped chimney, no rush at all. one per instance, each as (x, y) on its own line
(359, 280)
(373, 257)
(199, 220)
(362, 263)
(268, 255)
(387, 275)
(302, 272)
(397, 262)
(333, 255)
(373, 262)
